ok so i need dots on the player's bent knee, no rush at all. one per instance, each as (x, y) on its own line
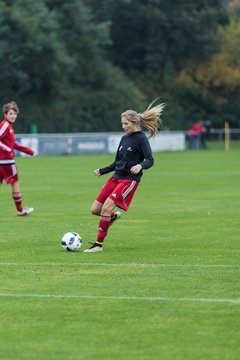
(95, 211)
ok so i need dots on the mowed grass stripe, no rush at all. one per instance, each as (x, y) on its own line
(4, 263)
(142, 298)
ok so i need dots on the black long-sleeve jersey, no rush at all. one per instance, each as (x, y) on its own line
(134, 148)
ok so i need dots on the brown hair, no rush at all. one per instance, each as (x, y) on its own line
(149, 119)
(10, 106)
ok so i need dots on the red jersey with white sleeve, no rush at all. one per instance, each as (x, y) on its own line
(8, 143)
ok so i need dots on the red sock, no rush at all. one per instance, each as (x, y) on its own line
(17, 198)
(103, 227)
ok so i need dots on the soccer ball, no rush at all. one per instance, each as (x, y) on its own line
(71, 241)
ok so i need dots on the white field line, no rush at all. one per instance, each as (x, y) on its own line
(13, 263)
(138, 298)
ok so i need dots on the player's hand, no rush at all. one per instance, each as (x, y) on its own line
(136, 169)
(96, 172)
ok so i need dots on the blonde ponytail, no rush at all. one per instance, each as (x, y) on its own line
(150, 118)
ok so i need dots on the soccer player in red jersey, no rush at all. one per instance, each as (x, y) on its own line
(8, 169)
(133, 156)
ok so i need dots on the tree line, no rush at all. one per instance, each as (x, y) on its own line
(76, 65)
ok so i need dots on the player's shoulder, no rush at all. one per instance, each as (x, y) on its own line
(135, 136)
(140, 135)
(4, 124)
(124, 137)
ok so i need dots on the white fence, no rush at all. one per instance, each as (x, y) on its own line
(92, 143)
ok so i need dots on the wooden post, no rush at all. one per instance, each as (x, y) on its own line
(226, 142)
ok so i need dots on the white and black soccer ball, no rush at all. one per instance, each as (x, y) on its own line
(71, 241)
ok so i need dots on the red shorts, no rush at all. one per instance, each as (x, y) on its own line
(120, 191)
(9, 173)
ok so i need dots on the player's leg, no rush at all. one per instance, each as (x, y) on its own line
(104, 223)
(121, 197)
(105, 219)
(115, 216)
(17, 198)
(96, 208)
(11, 178)
(10, 174)
(104, 193)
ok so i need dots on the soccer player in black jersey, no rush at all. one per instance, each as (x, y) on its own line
(133, 155)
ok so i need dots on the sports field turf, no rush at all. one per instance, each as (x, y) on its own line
(166, 285)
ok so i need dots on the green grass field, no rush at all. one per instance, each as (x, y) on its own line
(166, 285)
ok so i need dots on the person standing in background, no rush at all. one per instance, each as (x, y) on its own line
(196, 136)
(8, 168)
